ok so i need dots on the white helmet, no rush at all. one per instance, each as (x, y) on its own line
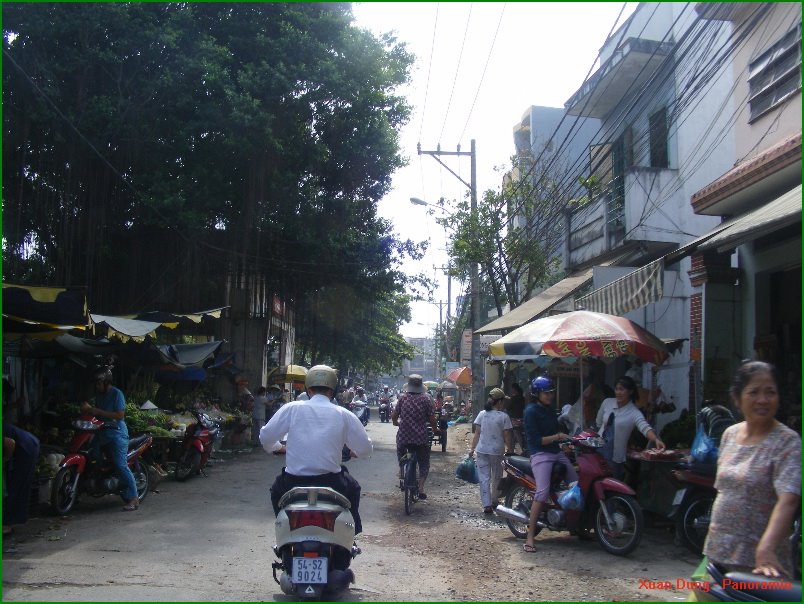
(321, 376)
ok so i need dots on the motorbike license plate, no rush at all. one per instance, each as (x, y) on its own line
(679, 496)
(309, 570)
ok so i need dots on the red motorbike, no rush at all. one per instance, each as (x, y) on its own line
(610, 507)
(87, 469)
(199, 438)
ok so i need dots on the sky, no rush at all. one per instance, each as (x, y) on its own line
(479, 67)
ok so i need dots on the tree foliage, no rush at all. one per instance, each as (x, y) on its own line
(164, 154)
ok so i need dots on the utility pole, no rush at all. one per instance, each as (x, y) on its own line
(474, 275)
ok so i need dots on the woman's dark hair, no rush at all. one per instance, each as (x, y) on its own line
(629, 384)
(489, 405)
(746, 372)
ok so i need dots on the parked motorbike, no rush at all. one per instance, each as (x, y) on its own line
(87, 468)
(692, 504)
(748, 587)
(315, 542)
(199, 439)
(385, 411)
(609, 504)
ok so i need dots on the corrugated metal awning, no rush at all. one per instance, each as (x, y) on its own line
(779, 213)
(540, 303)
(636, 289)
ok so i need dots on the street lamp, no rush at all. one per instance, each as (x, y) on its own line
(474, 272)
(419, 202)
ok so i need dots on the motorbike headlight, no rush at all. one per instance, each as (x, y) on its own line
(595, 441)
(83, 424)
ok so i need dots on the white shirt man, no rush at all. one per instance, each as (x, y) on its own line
(317, 430)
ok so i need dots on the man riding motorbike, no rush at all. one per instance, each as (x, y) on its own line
(360, 403)
(110, 406)
(315, 431)
(543, 433)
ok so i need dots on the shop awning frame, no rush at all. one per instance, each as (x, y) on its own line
(531, 309)
(644, 285)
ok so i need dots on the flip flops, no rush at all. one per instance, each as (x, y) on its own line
(529, 549)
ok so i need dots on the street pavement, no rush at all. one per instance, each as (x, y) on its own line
(210, 539)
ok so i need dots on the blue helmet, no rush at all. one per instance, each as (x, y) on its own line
(541, 384)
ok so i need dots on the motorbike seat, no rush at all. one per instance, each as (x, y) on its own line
(521, 463)
(135, 442)
(324, 494)
(707, 469)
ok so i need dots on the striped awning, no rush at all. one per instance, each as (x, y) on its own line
(634, 290)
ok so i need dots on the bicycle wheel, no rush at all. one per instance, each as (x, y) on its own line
(411, 485)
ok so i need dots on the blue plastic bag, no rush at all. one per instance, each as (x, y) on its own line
(467, 470)
(572, 498)
(703, 447)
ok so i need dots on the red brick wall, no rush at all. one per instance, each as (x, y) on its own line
(696, 340)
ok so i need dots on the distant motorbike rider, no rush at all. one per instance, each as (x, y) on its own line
(110, 406)
(317, 430)
(360, 403)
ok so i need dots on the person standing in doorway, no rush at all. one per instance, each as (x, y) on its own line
(515, 408)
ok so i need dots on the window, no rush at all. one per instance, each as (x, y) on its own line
(775, 75)
(658, 139)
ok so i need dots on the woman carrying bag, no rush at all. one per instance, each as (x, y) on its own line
(492, 438)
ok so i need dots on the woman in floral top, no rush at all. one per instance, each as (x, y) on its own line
(758, 481)
(412, 412)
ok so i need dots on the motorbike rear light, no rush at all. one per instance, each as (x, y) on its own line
(310, 554)
(299, 519)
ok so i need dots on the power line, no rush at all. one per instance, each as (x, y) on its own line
(483, 75)
(457, 70)
(429, 70)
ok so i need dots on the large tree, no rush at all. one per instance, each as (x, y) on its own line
(156, 152)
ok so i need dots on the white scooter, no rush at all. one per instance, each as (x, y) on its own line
(315, 534)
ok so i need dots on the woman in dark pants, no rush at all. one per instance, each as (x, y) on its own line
(20, 454)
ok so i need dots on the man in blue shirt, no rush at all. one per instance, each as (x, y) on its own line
(110, 406)
(543, 435)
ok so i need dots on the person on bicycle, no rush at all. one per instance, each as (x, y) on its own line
(317, 430)
(543, 434)
(412, 412)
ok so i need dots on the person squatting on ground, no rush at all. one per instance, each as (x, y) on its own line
(543, 435)
(492, 438)
(316, 431)
(20, 456)
(110, 406)
(758, 481)
(412, 412)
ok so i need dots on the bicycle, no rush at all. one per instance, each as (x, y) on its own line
(409, 483)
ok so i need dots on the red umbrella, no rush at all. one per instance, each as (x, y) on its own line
(461, 376)
(580, 333)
